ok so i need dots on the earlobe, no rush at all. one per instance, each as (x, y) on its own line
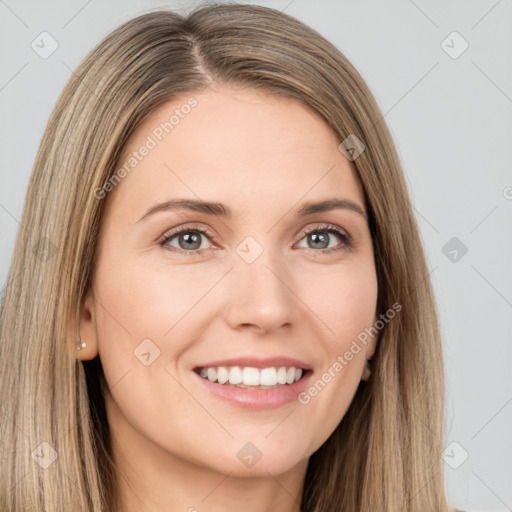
(370, 351)
(372, 346)
(367, 372)
(85, 335)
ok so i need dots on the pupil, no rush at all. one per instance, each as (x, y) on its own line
(191, 238)
(322, 238)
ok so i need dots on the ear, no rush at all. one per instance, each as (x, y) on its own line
(371, 346)
(87, 328)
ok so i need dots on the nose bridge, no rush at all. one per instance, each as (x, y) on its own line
(261, 289)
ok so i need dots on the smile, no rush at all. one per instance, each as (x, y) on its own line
(251, 377)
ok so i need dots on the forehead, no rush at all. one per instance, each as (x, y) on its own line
(240, 146)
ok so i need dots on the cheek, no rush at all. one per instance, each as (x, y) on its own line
(147, 319)
(353, 306)
(132, 313)
(343, 298)
(347, 306)
(148, 316)
(352, 311)
(142, 301)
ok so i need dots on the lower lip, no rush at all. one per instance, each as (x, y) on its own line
(257, 398)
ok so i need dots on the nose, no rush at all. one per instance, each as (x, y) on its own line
(261, 296)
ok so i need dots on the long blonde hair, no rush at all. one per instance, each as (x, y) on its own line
(386, 452)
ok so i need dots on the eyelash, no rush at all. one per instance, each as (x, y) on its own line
(347, 242)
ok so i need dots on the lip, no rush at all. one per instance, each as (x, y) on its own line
(256, 399)
(258, 362)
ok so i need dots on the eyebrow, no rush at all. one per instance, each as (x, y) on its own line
(220, 210)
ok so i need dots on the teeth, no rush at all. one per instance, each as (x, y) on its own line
(268, 377)
(249, 376)
(281, 375)
(222, 375)
(235, 375)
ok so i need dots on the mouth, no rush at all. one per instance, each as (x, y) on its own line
(250, 377)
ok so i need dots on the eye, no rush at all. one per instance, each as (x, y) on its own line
(187, 240)
(321, 237)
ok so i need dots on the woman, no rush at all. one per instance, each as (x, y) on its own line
(225, 301)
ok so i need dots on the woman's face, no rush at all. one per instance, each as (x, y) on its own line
(253, 294)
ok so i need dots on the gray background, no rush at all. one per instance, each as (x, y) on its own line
(451, 119)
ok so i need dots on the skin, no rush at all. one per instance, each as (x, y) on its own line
(263, 156)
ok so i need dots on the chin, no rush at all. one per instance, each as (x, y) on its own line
(250, 461)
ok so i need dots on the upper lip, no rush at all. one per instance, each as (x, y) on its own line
(258, 362)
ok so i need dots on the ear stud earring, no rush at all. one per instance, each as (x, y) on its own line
(79, 344)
